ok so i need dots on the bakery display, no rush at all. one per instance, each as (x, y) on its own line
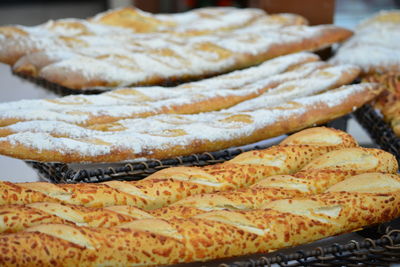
(170, 185)
(353, 203)
(314, 178)
(88, 54)
(248, 78)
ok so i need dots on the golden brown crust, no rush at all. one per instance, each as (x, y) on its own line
(213, 235)
(15, 218)
(388, 102)
(170, 185)
(320, 174)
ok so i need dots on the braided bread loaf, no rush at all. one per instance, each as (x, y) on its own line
(314, 178)
(356, 202)
(170, 185)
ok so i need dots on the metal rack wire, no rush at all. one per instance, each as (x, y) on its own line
(382, 251)
(379, 131)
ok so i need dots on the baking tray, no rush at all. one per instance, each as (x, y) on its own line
(129, 171)
(379, 131)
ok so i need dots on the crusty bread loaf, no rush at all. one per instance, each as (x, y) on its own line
(194, 22)
(170, 185)
(388, 102)
(104, 55)
(314, 178)
(210, 94)
(375, 46)
(21, 40)
(356, 202)
(152, 63)
(170, 135)
(18, 217)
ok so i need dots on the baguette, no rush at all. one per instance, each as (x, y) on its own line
(354, 203)
(216, 93)
(168, 135)
(104, 56)
(314, 178)
(104, 68)
(21, 40)
(388, 102)
(170, 185)
(278, 80)
(375, 46)
(194, 22)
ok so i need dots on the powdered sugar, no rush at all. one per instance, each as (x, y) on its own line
(141, 136)
(152, 100)
(334, 97)
(90, 56)
(319, 81)
(43, 142)
(376, 44)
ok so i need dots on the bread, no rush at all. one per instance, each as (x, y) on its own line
(18, 217)
(169, 135)
(194, 22)
(191, 22)
(103, 54)
(21, 40)
(273, 79)
(101, 67)
(201, 96)
(314, 178)
(375, 46)
(388, 102)
(354, 203)
(170, 185)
